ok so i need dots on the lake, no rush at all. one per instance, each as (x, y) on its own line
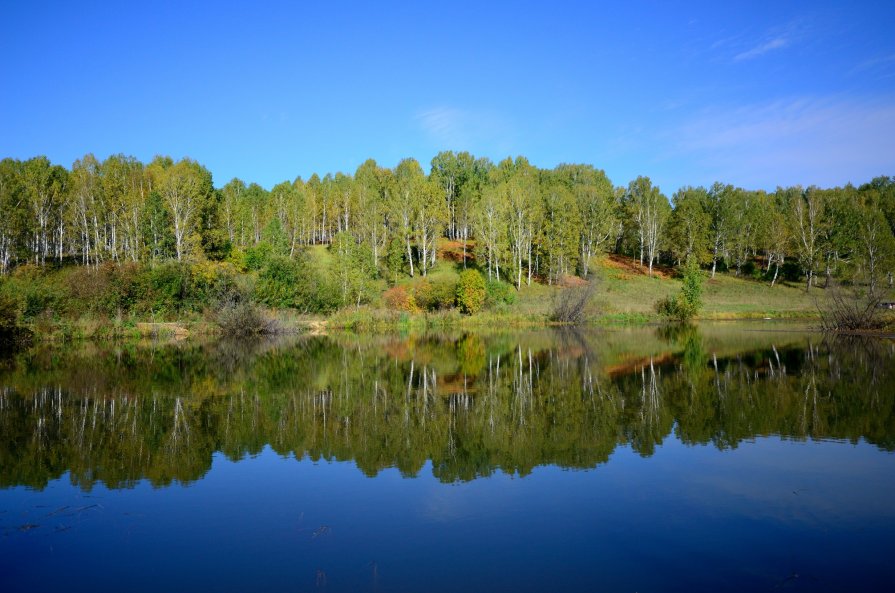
(734, 457)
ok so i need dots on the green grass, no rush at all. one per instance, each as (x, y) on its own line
(724, 297)
(321, 257)
(624, 297)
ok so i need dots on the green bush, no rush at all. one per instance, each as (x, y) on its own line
(444, 294)
(499, 293)
(683, 306)
(673, 308)
(9, 314)
(258, 256)
(435, 296)
(108, 289)
(167, 287)
(471, 291)
(296, 284)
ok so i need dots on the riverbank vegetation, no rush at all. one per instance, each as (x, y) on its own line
(105, 246)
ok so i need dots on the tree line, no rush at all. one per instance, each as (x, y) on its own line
(519, 222)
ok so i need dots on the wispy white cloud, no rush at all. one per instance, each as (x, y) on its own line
(762, 48)
(446, 125)
(879, 63)
(461, 129)
(826, 141)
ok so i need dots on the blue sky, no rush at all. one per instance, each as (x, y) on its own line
(758, 94)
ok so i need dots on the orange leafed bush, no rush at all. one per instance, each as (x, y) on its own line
(397, 298)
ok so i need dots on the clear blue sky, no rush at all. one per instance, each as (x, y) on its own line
(757, 94)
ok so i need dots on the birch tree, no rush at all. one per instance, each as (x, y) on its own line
(84, 206)
(487, 220)
(45, 185)
(806, 216)
(651, 210)
(372, 182)
(184, 187)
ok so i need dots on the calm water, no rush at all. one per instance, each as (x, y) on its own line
(640, 460)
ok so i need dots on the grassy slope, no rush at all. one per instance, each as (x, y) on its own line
(628, 291)
(625, 291)
(626, 294)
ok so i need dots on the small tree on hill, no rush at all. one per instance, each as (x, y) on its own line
(684, 306)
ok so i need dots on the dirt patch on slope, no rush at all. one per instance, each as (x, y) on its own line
(631, 267)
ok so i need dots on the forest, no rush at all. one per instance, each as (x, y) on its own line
(122, 237)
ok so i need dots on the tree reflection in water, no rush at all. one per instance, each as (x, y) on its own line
(470, 404)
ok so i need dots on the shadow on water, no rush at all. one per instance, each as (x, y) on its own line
(468, 403)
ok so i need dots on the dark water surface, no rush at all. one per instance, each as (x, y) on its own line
(718, 459)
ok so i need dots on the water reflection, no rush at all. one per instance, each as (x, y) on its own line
(470, 404)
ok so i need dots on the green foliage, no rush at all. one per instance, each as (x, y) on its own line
(520, 223)
(685, 305)
(690, 232)
(395, 259)
(215, 245)
(499, 293)
(108, 289)
(36, 292)
(295, 284)
(560, 232)
(274, 235)
(691, 291)
(278, 283)
(471, 291)
(156, 229)
(434, 295)
(258, 256)
(167, 288)
(9, 314)
(353, 269)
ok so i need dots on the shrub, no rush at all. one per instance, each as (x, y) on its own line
(691, 291)
(851, 312)
(398, 299)
(446, 294)
(258, 256)
(499, 293)
(570, 304)
(243, 318)
(673, 308)
(296, 284)
(9, 314)
(791, 271)
(471, 291)
(433, 296)
(108, 289)
(167, 287)
(683, 306)
(278, 283)
(210, 282)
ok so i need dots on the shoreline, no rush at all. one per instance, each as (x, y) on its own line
(379, 322)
